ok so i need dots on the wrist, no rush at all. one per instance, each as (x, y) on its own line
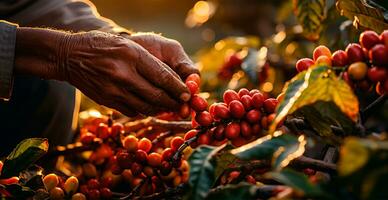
(40, 52)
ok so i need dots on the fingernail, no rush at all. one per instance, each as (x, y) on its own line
(185, 96)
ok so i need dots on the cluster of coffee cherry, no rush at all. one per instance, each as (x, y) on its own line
(362, 64)
(57, 188)
(233, 63)
(240, 118)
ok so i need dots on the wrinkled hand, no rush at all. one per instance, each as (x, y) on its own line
(167, 50)
(121, 74)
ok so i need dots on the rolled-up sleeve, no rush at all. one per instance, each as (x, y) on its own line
(7, 55)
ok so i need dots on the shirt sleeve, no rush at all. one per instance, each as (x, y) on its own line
(7, 55)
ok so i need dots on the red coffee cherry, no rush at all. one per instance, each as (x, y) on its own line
(253, 116)
(198, 103)
(323, 60)
(232, 130)
(141, 156)
(376, 74)
(195, 78)
(258, 100)
(237, 109)
(102, 131)
(184, 111)
(270, 105)
(304, 64)
(145, 144)
(93, 184)
(204, 118)
(247, 101)
(116, 129)
(87, 138)
(204, 139)
(355, 53)
(246, 130)
(368, 39)
(165, 168)
(321, 51)
(256, 129)
(384, 38)
(154, 159)
(229, 96)
(242, 92)
(193, 87)
(219, 132)
(221, 111)
(190, 134)
(379, 55)
(106, 193)
(176, 142)
(340, 58)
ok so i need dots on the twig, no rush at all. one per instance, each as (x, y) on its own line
(135, 190)
(187, 143)
(169, 193)
(73, 148)
(161, 137)
(368, 110)
(151, 121)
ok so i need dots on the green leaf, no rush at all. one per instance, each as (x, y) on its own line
(296, 180)
(19, 192)
(363, 14)
(205, 163)
(254, 63)
(25, 154)
(241, 191)
(281, 149)
(310, 14)
(319, 84)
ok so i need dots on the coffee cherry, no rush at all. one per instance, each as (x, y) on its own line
(57, 193)
(221, 111)
(304, 64)
(165, 168)
(145, 144)
(198, 103)
(229, 96)
(193, 87)
(358, 70)
(116, 129)
(176, 142)
(256, 129)
(93, 184)
(102, 131)
(242, 92)
(141, 156)
(323, 60)
(130, 143)
(368, 39)
(379, 55)
(253, 116)
(246, 130)
(204, 118)
(247, 101)
(339, 58)
(384, 37)
(237, 109)
(78, 196)
(270, 105)
(107, 182)
(167, 154)
(106, 193)
(254, 91)
(184, 111)
(89, 170)
(124, 160)
(195, 78)
(258, 100)
(232, 130)
(377, 74)
(234, 60)
(355, 53)
(137, 168)
(380, 88)
(71, 185)
(9, 181)
(148, 171)
(154, 159)
(84, 189)
(94, 194)
(204, 139)
(321, 51)
(87, 138)
(219, 132)
(190, 134)
(250, 179)
(50, 181)
(264, 122)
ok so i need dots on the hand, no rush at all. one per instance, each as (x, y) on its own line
(113, 71)
(167, 50)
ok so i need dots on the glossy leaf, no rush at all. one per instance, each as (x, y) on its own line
(25, 154)
(318, 84)
(204, 167)
(281, 149)
(254, 63)
(296, 180)
(364, 14)
(310, 14)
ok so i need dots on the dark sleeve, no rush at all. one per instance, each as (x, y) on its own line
(7, 53)
(70, 15)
